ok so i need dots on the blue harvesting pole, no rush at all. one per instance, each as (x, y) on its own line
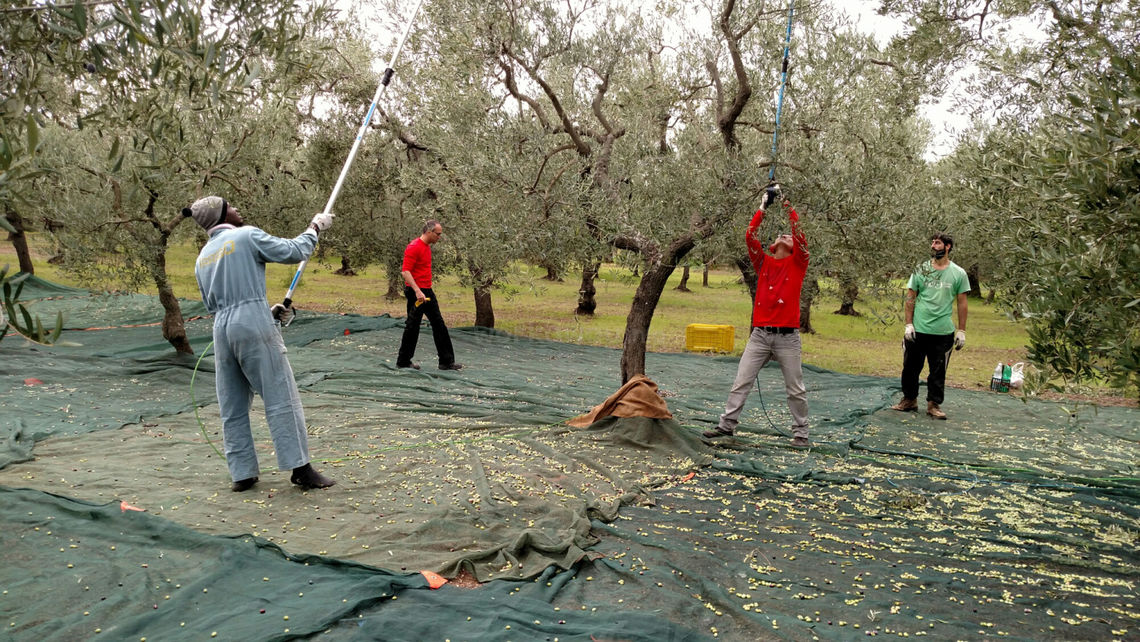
(783, 83)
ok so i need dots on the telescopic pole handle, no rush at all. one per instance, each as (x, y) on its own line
(384, 80)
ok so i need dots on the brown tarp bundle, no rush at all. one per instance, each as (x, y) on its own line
(637, 398)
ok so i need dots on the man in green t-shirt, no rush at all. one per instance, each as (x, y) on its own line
(934, 290)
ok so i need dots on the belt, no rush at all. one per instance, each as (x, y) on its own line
(775, 330)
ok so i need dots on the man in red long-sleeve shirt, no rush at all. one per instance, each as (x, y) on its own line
(775, 322)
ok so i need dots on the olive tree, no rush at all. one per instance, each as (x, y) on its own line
(185, 98)
(1063, 194)
(1050, 181)
(589, 129)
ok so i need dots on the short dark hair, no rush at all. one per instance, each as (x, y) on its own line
(429, 225)
(946, 239)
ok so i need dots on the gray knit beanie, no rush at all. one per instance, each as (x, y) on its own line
(207, 211)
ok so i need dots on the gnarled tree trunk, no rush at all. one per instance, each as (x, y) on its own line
(974, 274)
(645, 300)
(587, 304)
(395, 276)
(748, 275)
(19, 240)
(173, 329)
(848, 293)
(484, 310)
(345, 268)
(683, 286)
(807, 295)
(640, 315)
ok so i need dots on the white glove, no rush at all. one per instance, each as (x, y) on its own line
(959, 339)
(284, 315)
(322, 222)
(908, 334)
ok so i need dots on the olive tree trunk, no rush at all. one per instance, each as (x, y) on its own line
(807, 295)
(484, 310)
(683, 286)
(587, 304)
(19, 240)
(848, 293)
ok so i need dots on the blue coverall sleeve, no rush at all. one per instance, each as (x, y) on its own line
(273, 249)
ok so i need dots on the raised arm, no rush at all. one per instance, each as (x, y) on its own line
(755, 247)
(799, 241)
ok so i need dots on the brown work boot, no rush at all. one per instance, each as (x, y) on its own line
(906, 405)
(717, 432)
(933, 410)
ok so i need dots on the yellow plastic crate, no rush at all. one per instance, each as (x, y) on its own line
(704, 337)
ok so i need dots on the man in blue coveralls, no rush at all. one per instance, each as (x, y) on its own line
(249, 354)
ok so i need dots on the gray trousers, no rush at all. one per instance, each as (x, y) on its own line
(249, 357)
(763, 347)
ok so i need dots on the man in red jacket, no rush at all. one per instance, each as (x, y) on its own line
(775, 322)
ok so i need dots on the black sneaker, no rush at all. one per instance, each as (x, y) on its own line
(413, 366)
(452, 366)
(716, 432)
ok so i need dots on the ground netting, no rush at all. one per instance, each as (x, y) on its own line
(1013, 519)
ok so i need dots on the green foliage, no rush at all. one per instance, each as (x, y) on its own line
(128, 111)
(1080, 249)
(1045, 190)
(1066, 194)
(14, 315)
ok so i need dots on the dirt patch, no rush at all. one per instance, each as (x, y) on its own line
(464, 580)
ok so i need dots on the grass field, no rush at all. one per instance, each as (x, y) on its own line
(534, 307)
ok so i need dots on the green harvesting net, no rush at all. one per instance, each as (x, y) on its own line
(1013, 519)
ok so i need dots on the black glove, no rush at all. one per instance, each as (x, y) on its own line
(283, 314)
(771, 195)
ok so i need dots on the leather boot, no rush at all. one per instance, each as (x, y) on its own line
(906, 405)
(933, 410)
(242, 485)
(308, 478)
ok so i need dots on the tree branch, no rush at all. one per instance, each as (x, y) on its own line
(559, 109)
(726, 121)
(542, 166)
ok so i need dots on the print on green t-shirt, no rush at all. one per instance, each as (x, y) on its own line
(937, 291)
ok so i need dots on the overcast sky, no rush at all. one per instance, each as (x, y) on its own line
(945, 122)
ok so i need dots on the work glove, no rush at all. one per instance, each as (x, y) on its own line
(283, 314)
(322, 222)
(908, 334)
(770, 195)
(959, 339)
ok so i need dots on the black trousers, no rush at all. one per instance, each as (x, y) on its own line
(430, 309)
(932, 348)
